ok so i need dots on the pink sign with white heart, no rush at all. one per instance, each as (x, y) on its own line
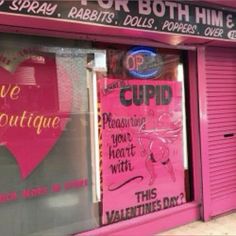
(31, 120)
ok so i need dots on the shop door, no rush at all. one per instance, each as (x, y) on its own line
(219, 152)
(47, 178)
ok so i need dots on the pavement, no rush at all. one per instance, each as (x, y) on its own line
(224, 225)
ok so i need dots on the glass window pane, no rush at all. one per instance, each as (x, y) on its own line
(45, 155)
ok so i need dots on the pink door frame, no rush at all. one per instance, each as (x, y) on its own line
(156, 222)
(195, 120)
(203, 131)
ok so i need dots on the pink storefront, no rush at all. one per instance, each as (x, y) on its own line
(117, 117)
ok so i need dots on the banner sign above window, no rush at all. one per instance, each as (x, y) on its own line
(147, 15)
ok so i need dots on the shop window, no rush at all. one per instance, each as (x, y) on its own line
(90, 135)
(45, 164)
(144, 160)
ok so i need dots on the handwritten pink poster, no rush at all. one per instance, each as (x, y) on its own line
(142, 152)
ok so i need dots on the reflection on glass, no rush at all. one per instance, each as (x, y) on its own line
(46, 183)
(90, 135)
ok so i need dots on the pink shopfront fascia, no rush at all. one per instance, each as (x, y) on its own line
(210, 61)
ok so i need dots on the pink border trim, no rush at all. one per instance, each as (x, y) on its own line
(150, 224)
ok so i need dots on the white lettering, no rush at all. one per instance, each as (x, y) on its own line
(87, 13)
(84, 2)
(14, 6)
(140, 22)
(159, 8)
(144, 7)
(35, 7)
(94, 15)
(72, 13)
(232, 34)
(173, 26)
(229, 21)
(217, 19)
(209, 17)
(24, 5)
(183, 12)
(106, 4)
(214, 32)
(1, 2)
(91, 15)
(159, 4)
(172, 6)
(122, 4)
(200, 15)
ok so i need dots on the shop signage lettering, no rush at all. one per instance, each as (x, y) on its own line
(152, 15)
(141, 148)
(232, 34)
